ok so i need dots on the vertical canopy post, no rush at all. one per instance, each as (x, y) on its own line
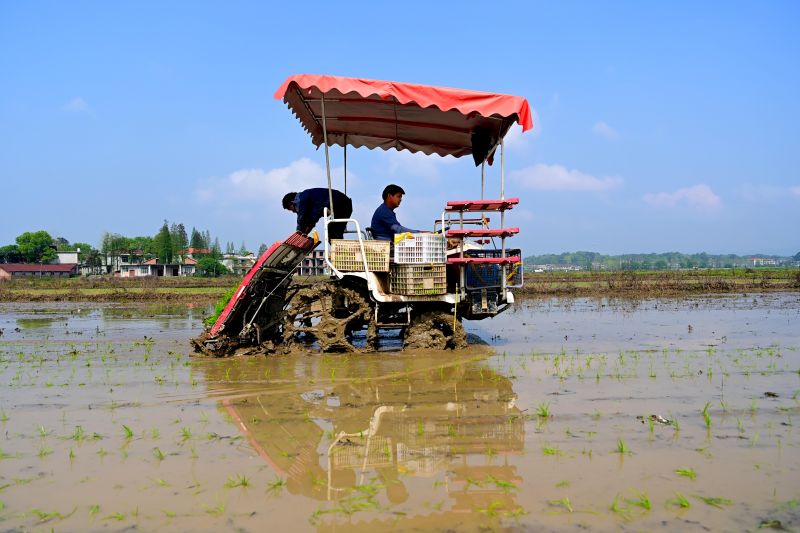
(345, 163)
(502, 169)
(327, 156)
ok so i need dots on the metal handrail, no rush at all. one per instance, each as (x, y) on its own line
(360, 241)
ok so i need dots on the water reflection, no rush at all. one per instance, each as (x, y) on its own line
(389, 431)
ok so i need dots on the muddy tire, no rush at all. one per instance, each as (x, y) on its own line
(328, 314)
(433, 330)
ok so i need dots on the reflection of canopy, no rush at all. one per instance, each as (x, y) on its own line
(404, 116)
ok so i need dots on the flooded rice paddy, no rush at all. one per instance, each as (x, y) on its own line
(576, 414)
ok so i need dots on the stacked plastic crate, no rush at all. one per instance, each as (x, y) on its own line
(419, 267)
(347, 256)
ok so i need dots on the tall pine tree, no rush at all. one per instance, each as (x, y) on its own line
(163, 244)
(197, 240)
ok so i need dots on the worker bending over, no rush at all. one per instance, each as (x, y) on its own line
(309, 205)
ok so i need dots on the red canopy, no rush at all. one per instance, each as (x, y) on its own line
(404, 116)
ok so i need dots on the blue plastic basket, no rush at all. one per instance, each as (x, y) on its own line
(481, 275)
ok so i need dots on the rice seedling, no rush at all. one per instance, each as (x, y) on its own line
(618, 509)
(79, 434)
(238, 481)
(44, 452)
(714, 501)
(622, 448)
(3, 415)
(158, 453)
(505, 486)
(5, 455)
(275, 486)
(563, 484)
(642, 501)
(543, 411)
(94, 509)
(680, 501)
(563, 503)
(687, 472)
(551, 450)
(128, 432)
(119, 517)
(493, 509)
(44, 516)
(186, 434)
(706, 416)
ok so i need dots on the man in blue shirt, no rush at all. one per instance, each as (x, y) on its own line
(384, 223)
(309, 204)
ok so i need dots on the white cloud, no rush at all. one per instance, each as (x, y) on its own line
(559, 178)
(604, 130)
(265, 186)
(795, 190)
(697, 196)
(405, 163)
(761, 192)
(76, 105)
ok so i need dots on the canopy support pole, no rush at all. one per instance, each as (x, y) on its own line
(345, 163)
(502, 170)
(483, 177)
(327, 157)
(483, 188)
(503, 215)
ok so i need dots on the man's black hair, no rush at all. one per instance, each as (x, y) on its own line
(288, 200)
(391, 190)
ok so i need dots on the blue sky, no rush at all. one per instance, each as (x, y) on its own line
(659, 127)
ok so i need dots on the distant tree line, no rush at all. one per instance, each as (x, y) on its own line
(662, 261)
(166, 245)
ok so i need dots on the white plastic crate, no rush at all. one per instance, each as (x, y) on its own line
(346, 255)
(419, 248)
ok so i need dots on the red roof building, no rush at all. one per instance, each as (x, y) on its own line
(9, 270)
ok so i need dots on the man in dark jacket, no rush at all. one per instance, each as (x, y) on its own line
(308, 205)
(384, 223)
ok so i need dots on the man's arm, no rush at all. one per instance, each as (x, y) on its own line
(303, 222)
(396, 227)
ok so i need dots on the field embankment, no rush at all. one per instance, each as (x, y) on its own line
(651, 284)
(209, 290)
(107, 289)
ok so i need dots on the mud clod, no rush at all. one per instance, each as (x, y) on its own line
(434, 330)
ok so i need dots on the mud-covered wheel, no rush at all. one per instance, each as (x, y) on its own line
(434, 330)
(327, 313)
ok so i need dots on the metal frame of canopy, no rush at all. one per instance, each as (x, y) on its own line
(403, 116)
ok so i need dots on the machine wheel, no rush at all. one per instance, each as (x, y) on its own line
(434, 330)
(327, 313)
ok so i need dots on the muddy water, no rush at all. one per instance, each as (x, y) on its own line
(108, 423)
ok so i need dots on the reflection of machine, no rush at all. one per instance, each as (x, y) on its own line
(330, 437)
(425, 288)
